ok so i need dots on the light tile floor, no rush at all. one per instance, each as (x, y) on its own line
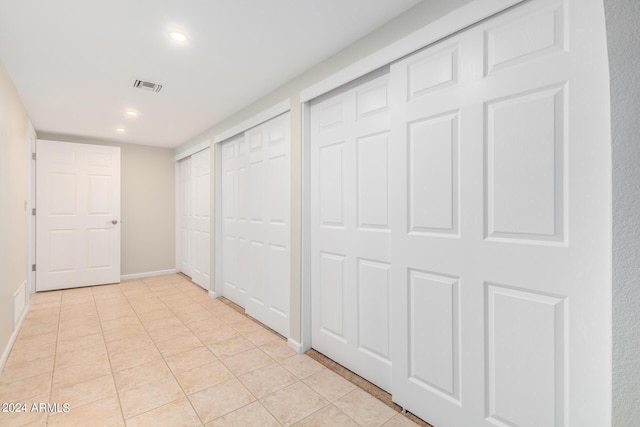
(160, 352)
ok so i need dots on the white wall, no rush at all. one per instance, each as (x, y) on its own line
(147, 205)
(13, 196)
(623, 24)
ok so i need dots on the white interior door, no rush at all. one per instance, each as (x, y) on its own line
(78, 215)
(201, 217)
(234, 216)
(195, 217)
(256, 203)
(500, 225)
(350, 229)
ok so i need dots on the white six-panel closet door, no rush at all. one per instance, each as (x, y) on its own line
(499, 224)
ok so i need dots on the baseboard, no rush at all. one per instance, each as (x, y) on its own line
(14, 336)
(294, 345)
(147, 274)
(213, 294)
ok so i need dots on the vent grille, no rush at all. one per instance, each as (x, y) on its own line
(146, 85)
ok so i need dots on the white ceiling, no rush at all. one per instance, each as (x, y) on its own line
(74, 61)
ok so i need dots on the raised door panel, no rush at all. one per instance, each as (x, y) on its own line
(78, 221)
(350, 228)
(499, 188)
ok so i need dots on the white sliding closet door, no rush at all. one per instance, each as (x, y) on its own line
(256, 204)
(500, 224)
(195, 217)
(350, 246)
(460, 227)
(235, 244)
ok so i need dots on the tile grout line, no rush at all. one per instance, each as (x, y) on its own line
(104, 341)
(162, 355)
(55, 355)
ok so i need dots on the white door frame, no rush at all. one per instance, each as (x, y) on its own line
(455, 21)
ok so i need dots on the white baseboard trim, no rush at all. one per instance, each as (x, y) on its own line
(294, 345)
(12, 340)
(147, 274)
(19, 302)
(213, 294)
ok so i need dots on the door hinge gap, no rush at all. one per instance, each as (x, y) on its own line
(33, 211)
(33, 267)
(33, 156)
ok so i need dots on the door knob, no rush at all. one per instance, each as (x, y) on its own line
(114, 222)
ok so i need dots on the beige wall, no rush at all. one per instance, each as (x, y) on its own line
(148, 204)
(13, 196)
(405, 24)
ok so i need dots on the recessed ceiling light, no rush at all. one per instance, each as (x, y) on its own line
(178, 36)
(132, 113)
(120, 130)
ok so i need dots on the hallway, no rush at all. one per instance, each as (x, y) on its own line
(160, 351)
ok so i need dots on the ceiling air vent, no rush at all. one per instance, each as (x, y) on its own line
(145, 85)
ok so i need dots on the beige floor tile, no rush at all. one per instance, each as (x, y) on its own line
(76, 343)
(247, 361)
(131, 378)
(211, 322)
(112, 313)
(293, 403)
(190, 359)
(278, 350)
(31, 368)
(27, 355)
(85, 371)
(79, 356)
(159, 313)
(247, 326)
(28, 418)
(213, 336)
(33, 328)
(129, 343)
(149, 396)
(219, 400)
(231, 317)
(262, 336)
(175, 414)
(203, 376)
(45, 297)
(329, 385)
(167, 322)
(252, 415)
(131, 358)
(85, 392)
(172, 332)
(179, 345)
(268, 379)
(35, 341)
(400, 421)
(193, 315)
(327, 416)
(231, 346)
(301, 365)
(72, 330)
(101, 413)
(116, 333)
(364, 408)
(24, 389)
